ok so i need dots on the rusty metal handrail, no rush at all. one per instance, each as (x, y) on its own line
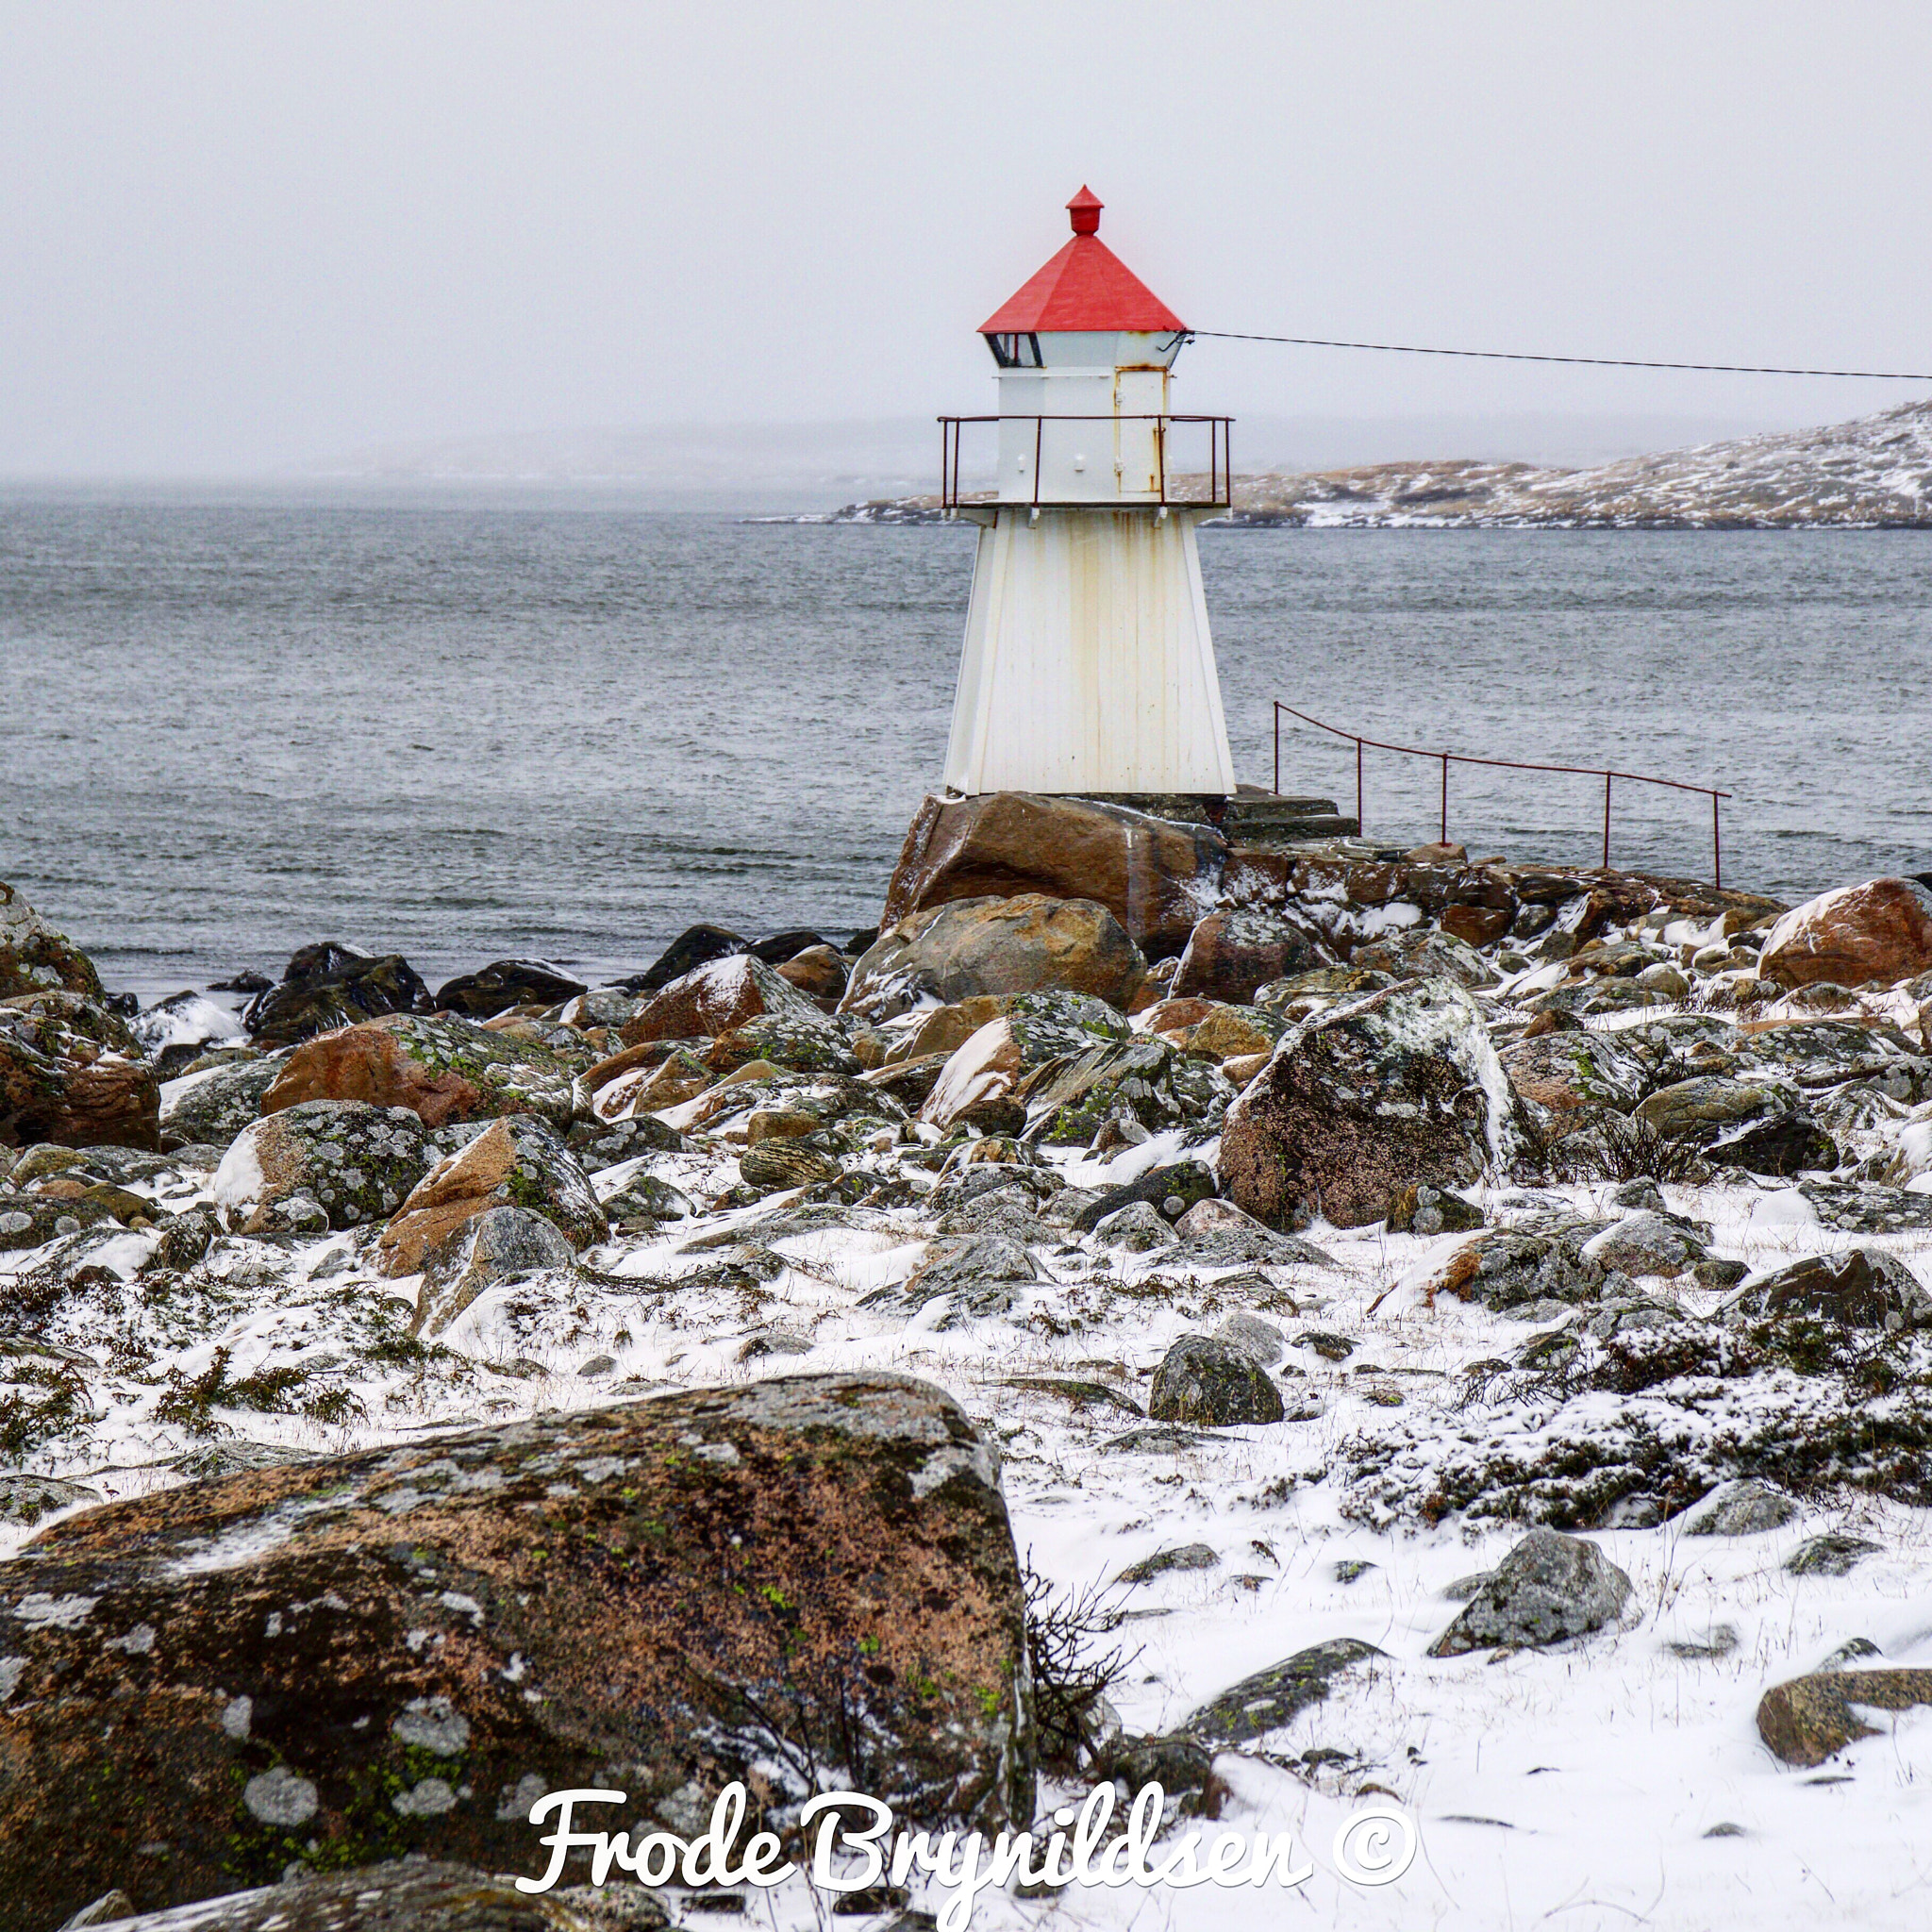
(1219, 459)
(1448, 757)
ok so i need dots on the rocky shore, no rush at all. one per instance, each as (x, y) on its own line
(1183, 1298)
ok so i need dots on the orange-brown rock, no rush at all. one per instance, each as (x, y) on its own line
(818, 972)
(719, 997)
(442, 1068)
(1175, 1019)
(1234, 1032)
(679, 1076)
(1877, 933)
(1156, 876)
(1477, 926)
(520, 1162)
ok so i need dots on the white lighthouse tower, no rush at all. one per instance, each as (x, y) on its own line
(1088, 665)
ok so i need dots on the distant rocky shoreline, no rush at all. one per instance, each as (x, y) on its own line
(1871, 474)
(413, 1401)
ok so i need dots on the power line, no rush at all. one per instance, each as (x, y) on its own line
(1594, 361)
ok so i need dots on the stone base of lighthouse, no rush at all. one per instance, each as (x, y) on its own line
(1088, 665)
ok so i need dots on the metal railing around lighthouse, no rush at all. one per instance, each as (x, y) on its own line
(1446, 759)
(1220, 485)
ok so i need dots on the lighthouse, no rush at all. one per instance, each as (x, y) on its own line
(1088, 665)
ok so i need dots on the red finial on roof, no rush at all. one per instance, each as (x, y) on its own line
(1085, 287)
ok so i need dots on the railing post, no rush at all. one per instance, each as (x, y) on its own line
(1445, 798)
(1607, 822)
(1278, 747)
(1717, 857)
(1358, 832)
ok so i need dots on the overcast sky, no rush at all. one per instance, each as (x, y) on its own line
(241, 235)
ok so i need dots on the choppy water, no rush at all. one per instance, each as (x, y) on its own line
(465, 726)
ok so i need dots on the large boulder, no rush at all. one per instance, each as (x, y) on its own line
(1234, 950)
(1549, 1589)
(442, 1069)
(504, 984)
(1876, 932)
(330, 985)
(803, 1583)
(723, 996)
(520, 1161)
(1156, 876)
(323, 1164)
(1396, 1090)
(36, 958)
(71, 1072)
(976, 946)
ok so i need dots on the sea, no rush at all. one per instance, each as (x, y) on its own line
(467, 723)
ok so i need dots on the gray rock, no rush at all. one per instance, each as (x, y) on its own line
(1255, 1337)
(1641, 1195)
(1216, 1234)
(1644, 1244)
(1739, 1508)
(231, 1457)
(607, 1143)
(1549, 1589)
(1863, 1287)
(341, 1161)
(1720, 1640)
(1155, 1441)
(214, 1107)
(25, 1499)
(964, 1265)
(1211, 1384)
(1187, 1557)
(1138, 1227)
(1834, 1554)
(1275, 1696)
(500, 1245)
(405, 1895)
(644, 1201)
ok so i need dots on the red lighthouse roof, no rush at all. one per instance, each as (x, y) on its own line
(1085, 287)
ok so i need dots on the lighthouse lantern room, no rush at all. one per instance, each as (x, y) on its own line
(1088, 665)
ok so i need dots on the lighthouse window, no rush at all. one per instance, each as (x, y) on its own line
(1015, 351)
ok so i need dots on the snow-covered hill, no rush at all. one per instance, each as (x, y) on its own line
(1874, 473)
